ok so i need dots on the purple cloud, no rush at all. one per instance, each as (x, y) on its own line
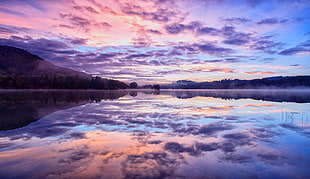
(266, 44)
(77, 41)
(235, 38)
(272, 21)
(303, 47)
(138, 56)
(236, 20)
(207, 31)
(212, 49)
(236, 41)
(4, 30)
(231, 60)
(152, 31)
(177, 28)
(82, 23)
(90, 9)
(163, 13)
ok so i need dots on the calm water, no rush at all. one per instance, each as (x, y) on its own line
(167, 134)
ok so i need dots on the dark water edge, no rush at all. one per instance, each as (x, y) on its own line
(23, 107)
(276, 95)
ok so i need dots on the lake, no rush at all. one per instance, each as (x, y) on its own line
(155, 134)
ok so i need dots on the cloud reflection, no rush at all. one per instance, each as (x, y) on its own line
(155, 136)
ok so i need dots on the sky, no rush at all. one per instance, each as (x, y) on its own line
(162, 41)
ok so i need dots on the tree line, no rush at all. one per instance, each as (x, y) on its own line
(66, 82)
(60, 82)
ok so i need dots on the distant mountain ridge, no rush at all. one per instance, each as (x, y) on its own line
(269, 82)
(18, 62)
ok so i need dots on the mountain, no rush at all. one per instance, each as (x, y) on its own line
(19, 62)
(20, 69)
(270, 82)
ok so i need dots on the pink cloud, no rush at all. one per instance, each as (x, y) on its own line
(260, 72)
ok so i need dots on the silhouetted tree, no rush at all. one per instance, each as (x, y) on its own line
(133, 85)
(156, 87)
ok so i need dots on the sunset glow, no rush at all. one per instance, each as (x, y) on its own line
(161, 41)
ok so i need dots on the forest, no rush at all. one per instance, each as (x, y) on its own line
(59, 82)
(66, 82)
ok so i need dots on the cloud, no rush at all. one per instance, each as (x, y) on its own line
(138, 28)
(155, 11)
(206, 47)
(272, 21)
(212, 49)
(235, 38)
(83, 23)
(208, 129)
(177, 28)
(274, 159)
(235, 158)
(28, 42)
(231, 60)
(105, 24)
(4, 30)
(236, 41)
(90, 9)
(260, 72)
(236, 20)
(301, 48)
(77, 20)
(12, 12)
(268, 60)
(152, 31)
(77, 41)
(138, 56)
(234, 140)
(207, 31)
(75, 156)
(231, 141)
(266, 45)
(151, 165)
(212, 69)
(194, 150)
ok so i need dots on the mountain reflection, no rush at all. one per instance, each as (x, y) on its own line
(20, 108)
(130, 134)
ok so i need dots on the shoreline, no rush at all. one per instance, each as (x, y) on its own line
(103, 90)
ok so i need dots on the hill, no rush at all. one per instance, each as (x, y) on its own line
(268, 83)
(20, 69)
(19, 62)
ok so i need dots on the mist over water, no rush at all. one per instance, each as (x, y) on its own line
(151, 134)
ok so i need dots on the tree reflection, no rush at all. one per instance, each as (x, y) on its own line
(298, 96)
(18, 109)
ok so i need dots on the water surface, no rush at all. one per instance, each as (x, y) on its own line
(167, 134)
